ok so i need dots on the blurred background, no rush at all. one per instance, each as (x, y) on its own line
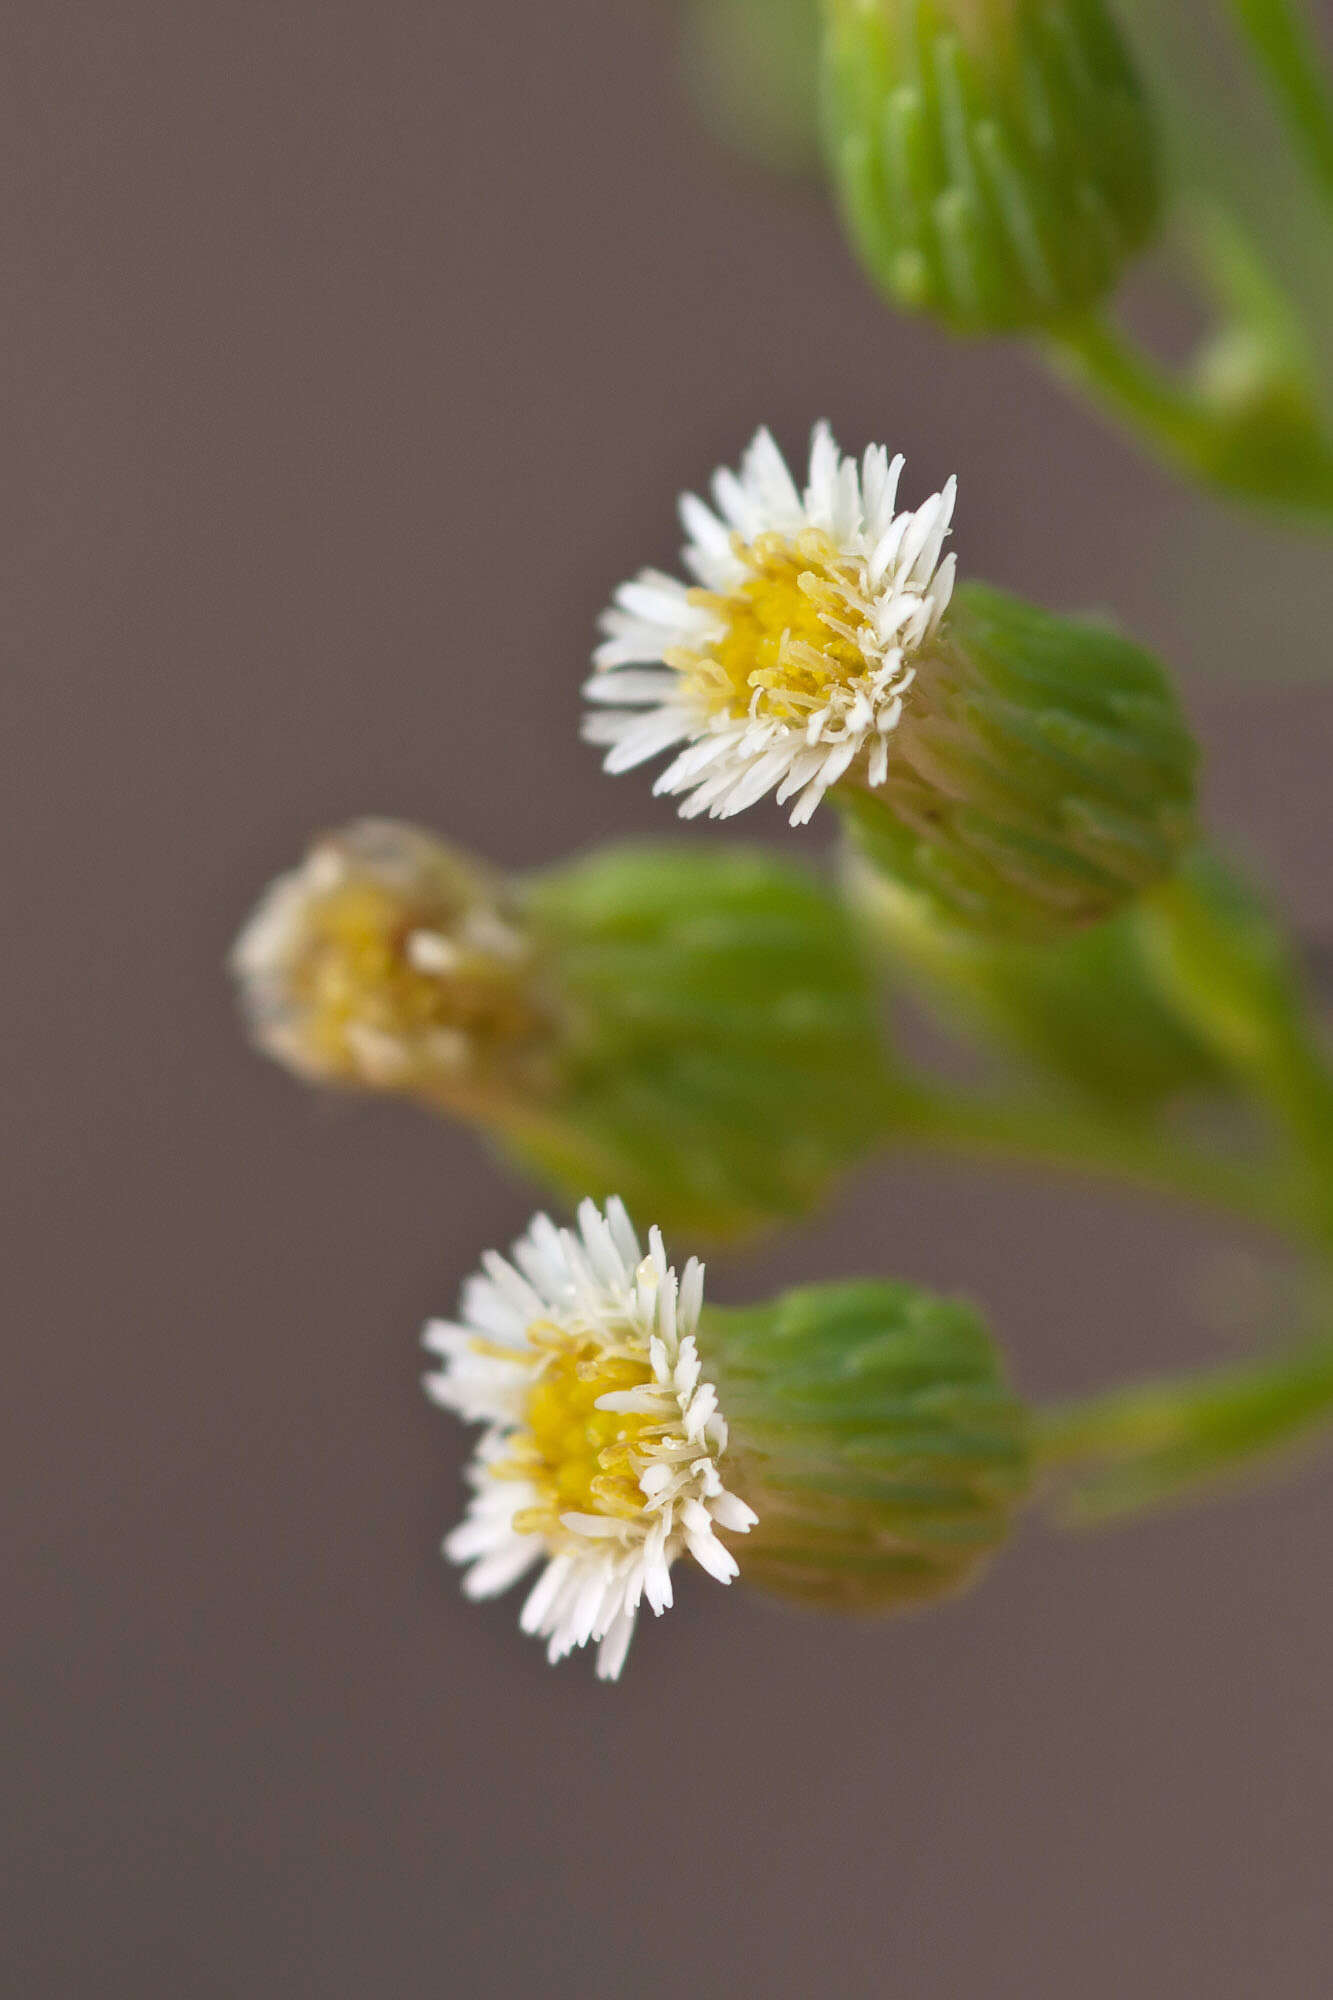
(352, 354)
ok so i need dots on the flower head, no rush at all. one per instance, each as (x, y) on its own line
(391, 961)
(601, 1455)
(786, 665)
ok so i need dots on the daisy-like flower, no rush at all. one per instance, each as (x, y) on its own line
(787, 664)
(390, 961)
(603, 1443)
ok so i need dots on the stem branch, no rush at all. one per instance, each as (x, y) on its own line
(1162, 1439)
(1283, 39)
(1024, 1133)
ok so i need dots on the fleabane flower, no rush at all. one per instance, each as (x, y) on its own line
(1027, 774)
(786, 664)
(390, 961)
(601, 1458)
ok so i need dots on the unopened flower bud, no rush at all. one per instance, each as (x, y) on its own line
(995, 159)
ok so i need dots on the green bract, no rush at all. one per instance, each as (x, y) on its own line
(871, 1430)
(995, 159)
(717, 1042)
(1041, 777)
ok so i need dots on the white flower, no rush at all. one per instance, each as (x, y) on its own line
(601, 1455)
(787, 664)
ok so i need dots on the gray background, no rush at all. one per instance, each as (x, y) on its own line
(351, 354)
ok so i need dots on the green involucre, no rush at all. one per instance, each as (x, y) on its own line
(719, 1048)
(1042, 775)
(872, 1431)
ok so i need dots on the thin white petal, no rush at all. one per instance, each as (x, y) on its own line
(614, 1646)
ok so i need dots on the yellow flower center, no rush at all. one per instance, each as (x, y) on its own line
(791, 637)
(579, 1458)
(356, 971)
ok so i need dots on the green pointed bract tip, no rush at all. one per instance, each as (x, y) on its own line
(872, 1432)
(995, 160)
(718, 1039)
(1089, 1014)
(1041, 776)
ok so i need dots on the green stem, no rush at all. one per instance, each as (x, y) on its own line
(1227, 149)
(1283, 38)
(1029, 1133)
(1132, 1448)
(1098, 358)
(1227, 971)
(1263, 450)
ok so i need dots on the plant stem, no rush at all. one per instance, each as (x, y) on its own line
(1027, 1133)
(1098, 358)
(1283, 39)
(1270, 454)
(1230, 975)
(1163, 1439)
(1226, 147)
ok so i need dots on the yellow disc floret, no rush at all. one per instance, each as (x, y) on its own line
(373, 966)
(793, 631)
(580, 1458)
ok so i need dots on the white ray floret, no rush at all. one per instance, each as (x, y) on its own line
(826, 696)
(586, 1313)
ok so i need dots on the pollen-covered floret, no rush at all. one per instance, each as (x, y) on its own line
(786, 665)
(390, 961)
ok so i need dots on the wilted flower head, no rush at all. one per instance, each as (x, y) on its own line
(391, 961)
(785, 666)
(603, 1444)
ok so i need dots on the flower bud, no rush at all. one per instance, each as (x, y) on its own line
(873, 1437)
(695, 1027)
(1042, 774)
(995, 159)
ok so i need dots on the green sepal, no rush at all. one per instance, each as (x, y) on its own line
(1042, 776)
(872, 1431)
(719, 1047)
(995, 160)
